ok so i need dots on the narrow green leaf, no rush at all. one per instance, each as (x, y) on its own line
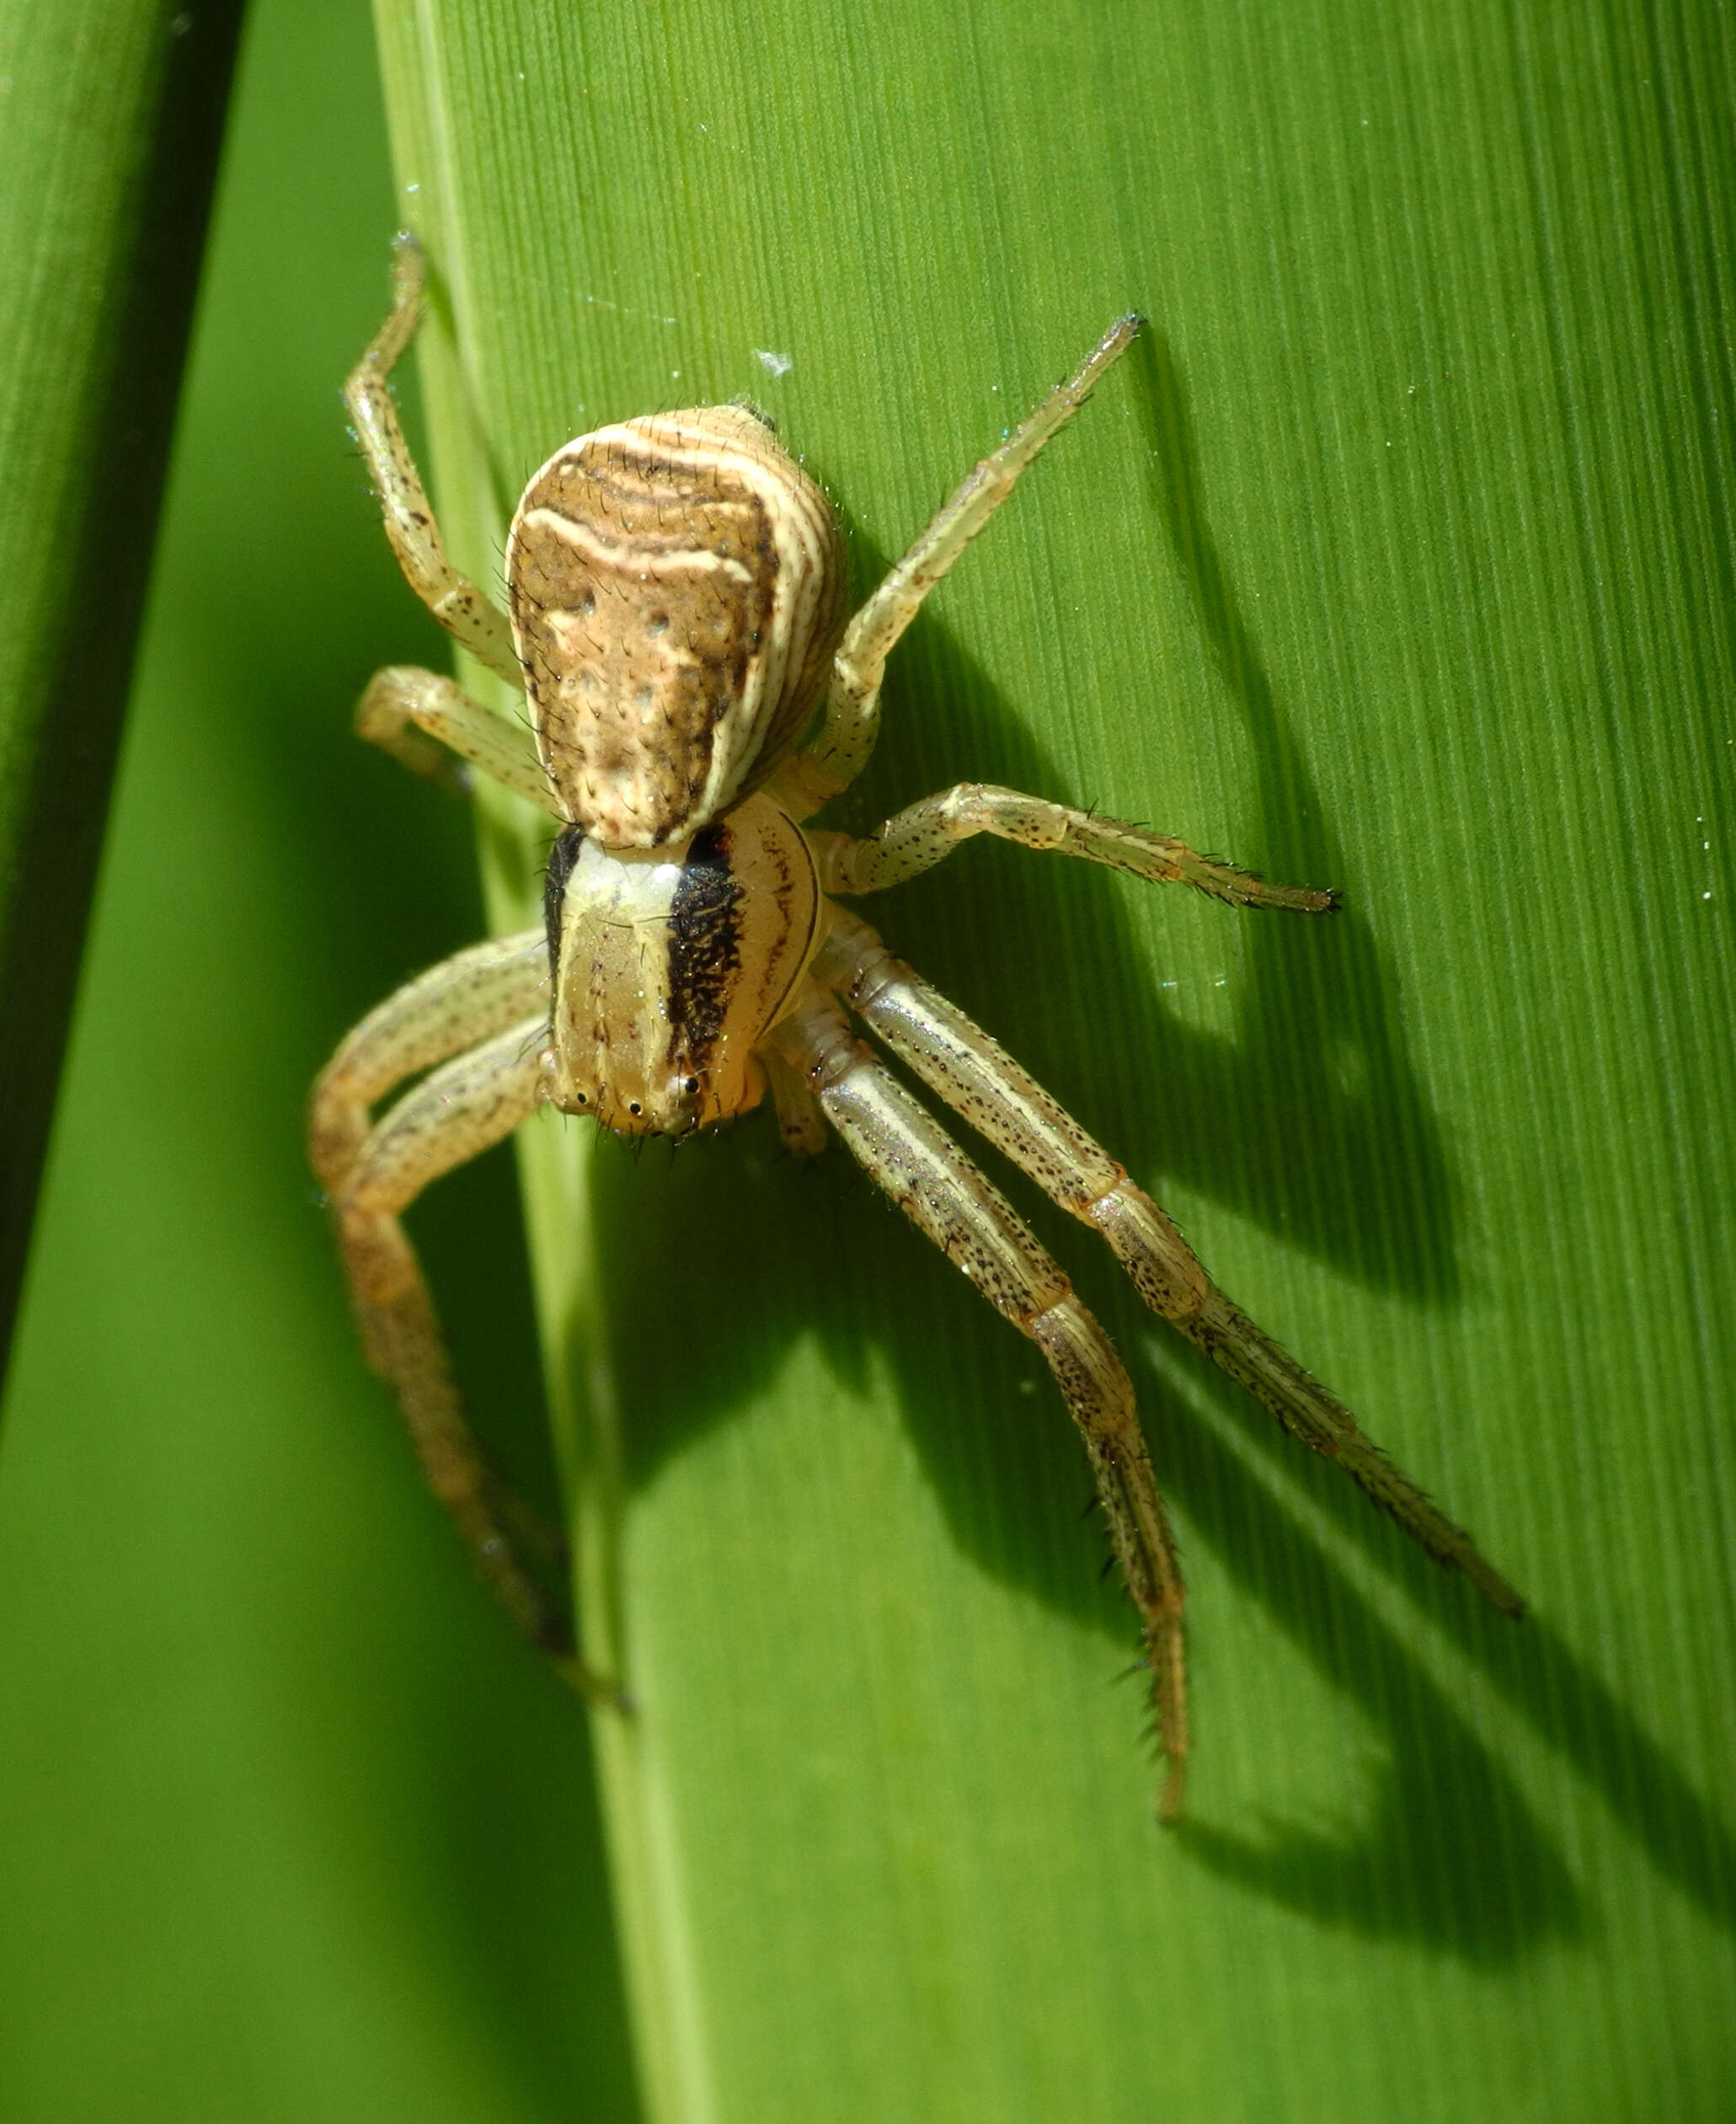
(111, 116)
(295, 1830)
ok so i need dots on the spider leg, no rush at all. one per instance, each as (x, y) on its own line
(927, 833)
(905, 1152)
(488, 1002)
(801, 1120)
(422, 719)
(453, 599)
(852, 707)
(466, 999)
(979, 1079)
(453, 1114)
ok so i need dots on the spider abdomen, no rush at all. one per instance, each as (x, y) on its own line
(675, 586)
(669, 964)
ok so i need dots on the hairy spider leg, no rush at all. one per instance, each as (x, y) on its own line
(482, 1017)
(853, 706)
(454, 600)
(422, 719)
(905, 1152)
(470, 996)
(981, 1082)
(924, 834)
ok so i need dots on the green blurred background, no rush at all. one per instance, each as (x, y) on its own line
(296, 1828)
(1399, 557)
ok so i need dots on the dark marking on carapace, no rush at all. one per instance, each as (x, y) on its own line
(563, 860)
(704, 951)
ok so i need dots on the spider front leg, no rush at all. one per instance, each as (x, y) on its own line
(453, 599)
(979, 1079)
(904, 1150)
(927, 833)
(490, 1003)
(852, 707)
(465, 999)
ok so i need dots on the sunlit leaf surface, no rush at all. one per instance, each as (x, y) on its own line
(1398, 559)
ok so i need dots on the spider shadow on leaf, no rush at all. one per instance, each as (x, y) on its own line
(1353, 1171)
(816, 1250)
(1448, 1847)
(1371, 1148)
(1434, 1841)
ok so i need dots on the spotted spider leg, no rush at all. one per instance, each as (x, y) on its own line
(422, 719)
(980, 1080)
(454, 600)
(852, 707)
(905, 1152)
(477, 1023)
(801, 1119)
(928, 832)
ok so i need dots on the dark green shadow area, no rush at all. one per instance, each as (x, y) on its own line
(1543, 1679)
(1356, 1168)
(1446, 1851)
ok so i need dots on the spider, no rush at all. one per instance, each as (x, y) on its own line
(676, 585)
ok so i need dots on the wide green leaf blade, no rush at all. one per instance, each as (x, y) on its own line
(1399, 558)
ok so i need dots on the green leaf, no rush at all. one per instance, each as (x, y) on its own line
(1399, 560)
(295, 1826)
(1391, 560)
(111, 116)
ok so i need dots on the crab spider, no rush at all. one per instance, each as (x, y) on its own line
(675, 586)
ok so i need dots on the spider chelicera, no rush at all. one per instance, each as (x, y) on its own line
(675, 586)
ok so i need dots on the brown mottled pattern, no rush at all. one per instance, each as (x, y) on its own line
(675, 587)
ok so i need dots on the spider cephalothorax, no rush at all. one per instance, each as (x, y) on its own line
(676, 585)
(670, 966)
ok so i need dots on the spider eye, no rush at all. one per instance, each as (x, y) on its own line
(634, 1108)
(690, 1085)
